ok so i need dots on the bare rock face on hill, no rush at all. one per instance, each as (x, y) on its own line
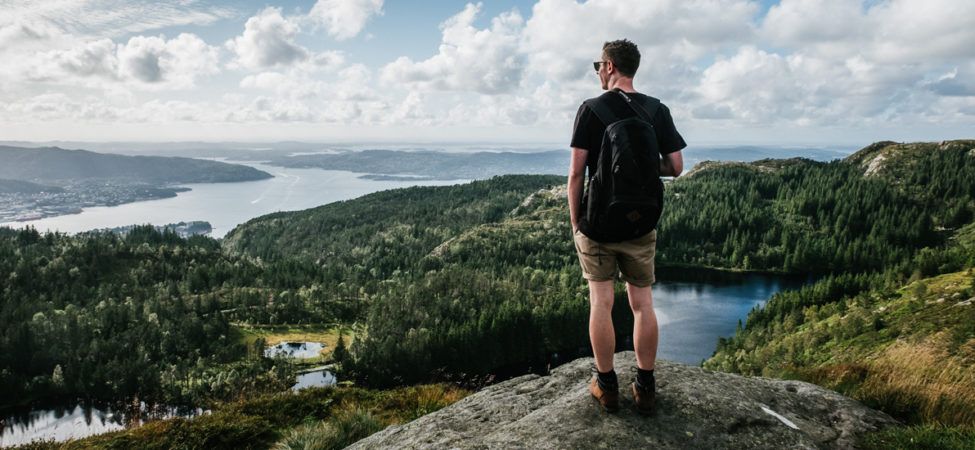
(696, 408)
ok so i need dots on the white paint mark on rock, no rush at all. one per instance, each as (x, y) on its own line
(787, 422)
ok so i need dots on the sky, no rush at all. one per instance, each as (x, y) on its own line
(732, 72)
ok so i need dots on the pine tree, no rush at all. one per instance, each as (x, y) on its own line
(340, 354)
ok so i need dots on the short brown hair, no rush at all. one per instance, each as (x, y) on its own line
(624, 56)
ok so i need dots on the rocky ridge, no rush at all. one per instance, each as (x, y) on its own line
(696, 408)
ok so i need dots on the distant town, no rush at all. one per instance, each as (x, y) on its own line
(73, 197)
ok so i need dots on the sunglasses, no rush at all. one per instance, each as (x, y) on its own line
(595, 64)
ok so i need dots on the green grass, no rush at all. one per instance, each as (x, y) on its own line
(345, 428)
(909, 352)
(918, 367)
(920, 437)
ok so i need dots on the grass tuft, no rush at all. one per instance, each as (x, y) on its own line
(920, 437)
(916, 383)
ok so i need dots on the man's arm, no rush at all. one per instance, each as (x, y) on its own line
(671, 165)
(577, 175)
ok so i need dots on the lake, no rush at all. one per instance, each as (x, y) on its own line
(696, 307)
(226, 205)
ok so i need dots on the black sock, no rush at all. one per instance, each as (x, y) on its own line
(607, 380)
(644, 379)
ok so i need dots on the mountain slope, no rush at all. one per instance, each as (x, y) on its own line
(25, 187)
(906, 346)
(452, 290)
(56, 164)
(383, 231)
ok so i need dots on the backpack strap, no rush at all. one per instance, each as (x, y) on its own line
(645, 111)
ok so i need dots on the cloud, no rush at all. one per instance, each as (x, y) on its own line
(145, 62)
(176, 62)
(843, 61)
(912, 31)
(954, 85)
(267, 41)
(752, 86)
(710, 111)
(487, 61)
(114, 18)
(95, 58)
(802, 22)
(344, 19)
(893, 31)
(718, 64)
(29, 35)
(411, 110)
(563, 37)
(351, 84)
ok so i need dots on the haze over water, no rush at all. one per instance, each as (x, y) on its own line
(226, 205)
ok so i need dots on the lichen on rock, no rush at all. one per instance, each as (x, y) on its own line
(696, 408)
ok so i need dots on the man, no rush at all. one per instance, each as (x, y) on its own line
(633, 258)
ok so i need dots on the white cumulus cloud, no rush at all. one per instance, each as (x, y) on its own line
(344, 19)
(175, 62)
(151, 62)
(268, 41)
(488, 61)
(563, 37)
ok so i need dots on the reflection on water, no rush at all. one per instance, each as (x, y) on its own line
(315, 378)
(696, 307)
(295, 349)
(62, 424)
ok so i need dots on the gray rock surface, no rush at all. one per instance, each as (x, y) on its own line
(696, 408)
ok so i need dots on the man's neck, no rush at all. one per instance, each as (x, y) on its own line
(626, 84)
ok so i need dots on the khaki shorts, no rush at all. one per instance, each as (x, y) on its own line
(634, 258)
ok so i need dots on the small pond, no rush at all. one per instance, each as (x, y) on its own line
(295, 349)
(319, 377)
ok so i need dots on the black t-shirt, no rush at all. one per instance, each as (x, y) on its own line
(588, 130)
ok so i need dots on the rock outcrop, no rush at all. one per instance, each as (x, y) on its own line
(696, 408)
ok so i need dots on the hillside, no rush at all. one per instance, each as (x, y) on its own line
(905, 345)
(383, 231)
(55, 164)
(25, 187)
(802, 216)
(83, 179)
(433, 164)
(518, 277)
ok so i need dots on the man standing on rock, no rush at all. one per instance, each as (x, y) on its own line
(632, 258)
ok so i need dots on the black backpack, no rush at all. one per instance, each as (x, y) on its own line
(624, 197)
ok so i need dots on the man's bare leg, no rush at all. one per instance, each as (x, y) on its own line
(601, 332)
(644, 326)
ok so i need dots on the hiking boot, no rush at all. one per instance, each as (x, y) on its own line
(644, 400)
(610, 399)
